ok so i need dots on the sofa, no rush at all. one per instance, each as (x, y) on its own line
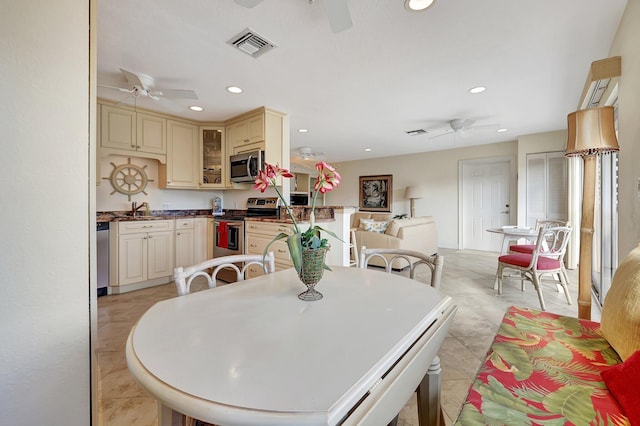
(379, 230)
(544, 368)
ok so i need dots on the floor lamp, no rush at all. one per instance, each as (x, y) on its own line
(412, 193)
(591, 132)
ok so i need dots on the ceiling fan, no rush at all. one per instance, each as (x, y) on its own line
(143, 85)
(459, 126)
(306, 154)
(337, 12)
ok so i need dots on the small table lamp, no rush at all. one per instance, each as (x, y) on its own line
(413, 193)
(591, 133)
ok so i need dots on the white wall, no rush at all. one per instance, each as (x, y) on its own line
(436, 171)
(627, 45)
(46, 213)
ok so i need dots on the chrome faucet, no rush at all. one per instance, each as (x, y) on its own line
(135, 207)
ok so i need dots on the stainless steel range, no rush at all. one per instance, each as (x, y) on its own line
(229, 230)
(263, 207)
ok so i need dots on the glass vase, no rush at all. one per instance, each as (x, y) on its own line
(311, 270)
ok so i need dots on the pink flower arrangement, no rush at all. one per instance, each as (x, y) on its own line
(328, 179)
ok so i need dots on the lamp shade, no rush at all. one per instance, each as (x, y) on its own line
(591, 131)
(412, 192)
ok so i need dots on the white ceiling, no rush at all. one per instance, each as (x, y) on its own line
(393, 71)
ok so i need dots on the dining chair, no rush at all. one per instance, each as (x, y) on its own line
(431, 380)
(547, 258)
(528, 248)
(413, 259)
(209, 269)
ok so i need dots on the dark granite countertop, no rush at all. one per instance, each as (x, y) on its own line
(125, 216)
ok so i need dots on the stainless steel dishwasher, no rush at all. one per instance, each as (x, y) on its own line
(102, 252)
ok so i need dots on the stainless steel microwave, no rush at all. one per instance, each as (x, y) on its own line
(245, 167)
(299, 199)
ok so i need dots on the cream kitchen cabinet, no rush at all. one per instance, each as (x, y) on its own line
(129, 132)
(248, 130)
(258, 235)
(191, 241)
(183, 153)
(213, 159)
(260, 129)
(210, 240)
(144, 251)
(185, 253)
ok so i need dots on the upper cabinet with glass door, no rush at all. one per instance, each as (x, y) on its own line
(212, 157)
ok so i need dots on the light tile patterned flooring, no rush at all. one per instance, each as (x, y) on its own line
(467, 278)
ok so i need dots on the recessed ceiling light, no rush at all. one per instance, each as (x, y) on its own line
(234, 89)
(501, 130)
(368, 150)
(303, 130)
(417, 5)
(477, 89)
(196, 108)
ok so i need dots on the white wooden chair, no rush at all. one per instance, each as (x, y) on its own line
(209, 269)
(413, 259)
(540, 223)
(547, 258)
(428, 391)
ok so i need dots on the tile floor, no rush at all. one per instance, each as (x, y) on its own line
(467, 278)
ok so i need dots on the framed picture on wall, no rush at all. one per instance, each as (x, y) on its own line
(375, 193)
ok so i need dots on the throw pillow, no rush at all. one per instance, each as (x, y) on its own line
(622, 381)
(364, 223)
(376, 226)
(620, 321)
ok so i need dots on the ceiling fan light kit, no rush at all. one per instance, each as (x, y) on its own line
(417, 5)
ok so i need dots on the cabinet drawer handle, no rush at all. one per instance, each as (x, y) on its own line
(252, 245)
(147, 226)
(283, 229)
(281, 251)
(150, 237)
(177, 233)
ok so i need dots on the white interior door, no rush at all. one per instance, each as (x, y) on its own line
(485, 202)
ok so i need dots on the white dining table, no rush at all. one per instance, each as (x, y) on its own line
(252, 353)
(510, 233)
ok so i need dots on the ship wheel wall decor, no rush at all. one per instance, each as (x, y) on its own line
(128, 179)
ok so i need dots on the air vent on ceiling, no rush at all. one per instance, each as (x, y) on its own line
(251, 43)
(416, 132)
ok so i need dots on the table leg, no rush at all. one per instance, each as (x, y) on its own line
(428, 393)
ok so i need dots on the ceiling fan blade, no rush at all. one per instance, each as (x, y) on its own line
(443, 134)
(133, 79)
(178, 94)
(248, 3)
(483, 126)
(122, 89)
(338, 15)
